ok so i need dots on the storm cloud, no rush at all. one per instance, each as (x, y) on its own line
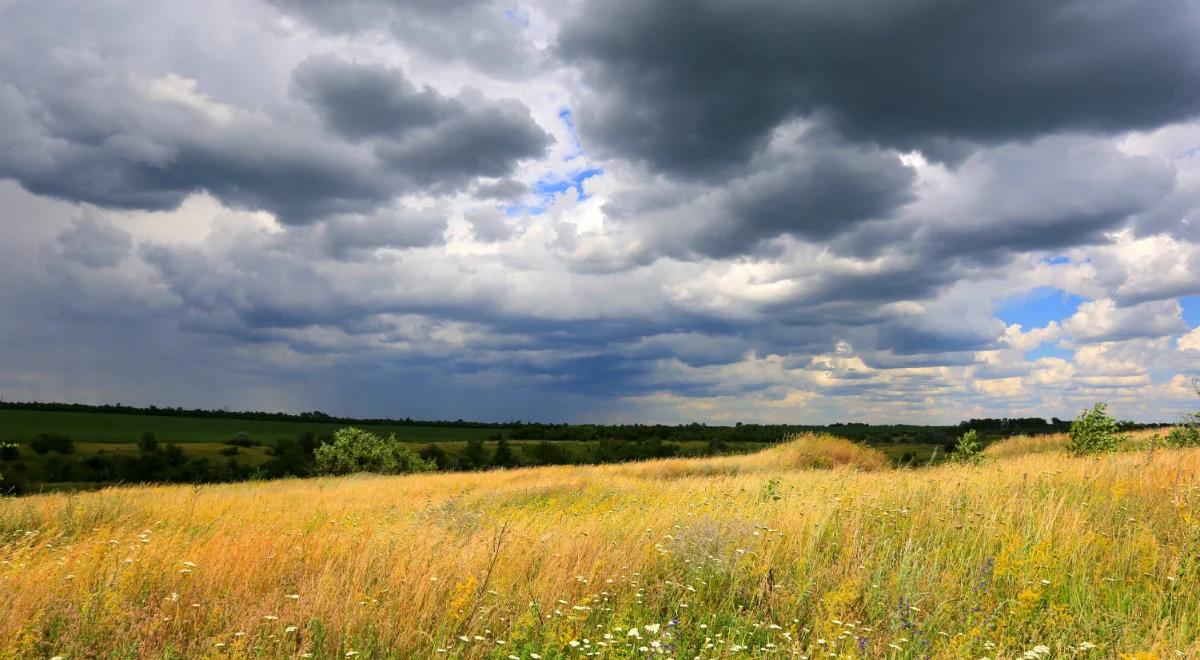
(693, 87)
(641, 211)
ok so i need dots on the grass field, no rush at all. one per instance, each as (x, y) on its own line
(813, 549)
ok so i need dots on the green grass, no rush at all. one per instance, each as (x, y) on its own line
(22, 425)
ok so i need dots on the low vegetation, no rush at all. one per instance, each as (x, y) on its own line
(812, 548)
(355, 450)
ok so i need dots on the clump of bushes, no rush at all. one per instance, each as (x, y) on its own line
(9, 451)
(1187, 435)
(968, 449)
(355, 450)
(242, 439)
(44, 443)
(1094, 431)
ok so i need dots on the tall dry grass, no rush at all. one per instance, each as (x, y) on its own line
(1021, 445)
(767, 559)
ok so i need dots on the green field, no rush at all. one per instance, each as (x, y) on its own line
(109, 439)
(22, 425)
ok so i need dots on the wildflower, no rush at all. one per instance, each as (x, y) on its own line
(271, 617)
(573, 644)
(1086, 646)
(290, 629)
(535, 656)
(293, 596)
(652, 628)
(633, 632)
(351, 653)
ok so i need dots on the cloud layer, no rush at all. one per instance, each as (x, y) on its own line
(619, 210)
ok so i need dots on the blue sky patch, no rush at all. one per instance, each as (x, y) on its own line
(1038, 307)
(1191, 310)
(550, 186)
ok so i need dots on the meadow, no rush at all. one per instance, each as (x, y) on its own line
(105, 450)
(813, 548)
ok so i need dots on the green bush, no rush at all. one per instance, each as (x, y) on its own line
(1187, 435)
(355, 450)
(969, 449)
(44, 443)
(1094, 431)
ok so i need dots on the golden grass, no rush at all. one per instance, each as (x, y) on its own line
(1021, 445)
(802, 451)
(751, 555)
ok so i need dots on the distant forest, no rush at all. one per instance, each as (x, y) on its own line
(987, 428)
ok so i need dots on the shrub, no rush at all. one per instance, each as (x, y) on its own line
(148, 443)
(1094, 431)
(968, 449)
(436, 455)
(47, 442)
(229, 451)
(9, 451)
(1187, 435)
(355, 450)
(504, 456)
(242, 439)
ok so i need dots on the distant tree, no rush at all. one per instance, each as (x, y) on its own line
(504, 456)
(550, 453)
(434, 454)
(147, 443)
(355, 450)
(474, 457)
(9, 451)
(174, 455)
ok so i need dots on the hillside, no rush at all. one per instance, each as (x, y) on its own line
(811, 548)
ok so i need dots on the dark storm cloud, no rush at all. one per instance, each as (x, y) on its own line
(86, 134)
(1049, 194)
(693, 87)
(809, 187)
(429, 138)
(814, 194)
(344, 236)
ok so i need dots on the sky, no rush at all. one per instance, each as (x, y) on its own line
(603, 210)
